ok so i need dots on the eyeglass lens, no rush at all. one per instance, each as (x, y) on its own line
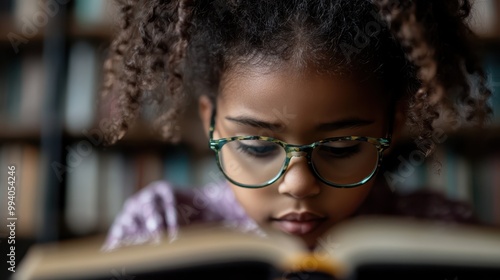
(256, 162)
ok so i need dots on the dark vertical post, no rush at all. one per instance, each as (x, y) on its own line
(55, 63)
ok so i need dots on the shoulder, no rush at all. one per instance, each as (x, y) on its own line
(161, 207)
(144, 216)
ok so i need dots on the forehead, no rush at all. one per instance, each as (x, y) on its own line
(305, 93)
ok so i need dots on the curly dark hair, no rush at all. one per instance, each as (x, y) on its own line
(420, 50)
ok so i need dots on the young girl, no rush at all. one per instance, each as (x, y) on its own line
(301, 100)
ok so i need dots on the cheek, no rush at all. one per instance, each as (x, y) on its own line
(341, 203)
(256, 202)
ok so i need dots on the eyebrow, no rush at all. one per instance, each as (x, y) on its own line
(248, 121)
(330, 126)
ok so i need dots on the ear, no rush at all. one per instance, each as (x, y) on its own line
(399, 125)
(205, 107)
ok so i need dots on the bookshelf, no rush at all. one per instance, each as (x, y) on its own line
(61, 167)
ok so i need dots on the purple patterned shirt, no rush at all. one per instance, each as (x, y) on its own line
(159, 207)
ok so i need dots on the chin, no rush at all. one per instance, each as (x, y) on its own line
(315, 238)
(310, 243)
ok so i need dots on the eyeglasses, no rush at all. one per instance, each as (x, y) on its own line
(258, 161)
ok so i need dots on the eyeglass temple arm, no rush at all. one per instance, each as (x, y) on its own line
(212, 124)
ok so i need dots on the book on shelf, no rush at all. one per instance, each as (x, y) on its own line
(99, 181)
(12, 89)
(4, 71)
(483, 184)
(178, 166)
(26, 159)
(81, 88)
(456, 172)
(95, 12)
(112, 186)
(436, 172)
(149, 168)
(32, 90)
(82, 191)
(25, 14)
(22, 84)
(360, 248)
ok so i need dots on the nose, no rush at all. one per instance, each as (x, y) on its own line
(299, 181)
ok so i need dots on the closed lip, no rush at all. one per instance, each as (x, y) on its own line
(299, 217)
(298, 223)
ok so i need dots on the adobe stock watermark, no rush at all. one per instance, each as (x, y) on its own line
(364, 35)
(30, 26)
(417, 157)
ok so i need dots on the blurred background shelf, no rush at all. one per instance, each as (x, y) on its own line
(69, 184)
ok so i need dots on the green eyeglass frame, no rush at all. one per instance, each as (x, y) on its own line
(216, 145)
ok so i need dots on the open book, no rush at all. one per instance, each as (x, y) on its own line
(362, 248)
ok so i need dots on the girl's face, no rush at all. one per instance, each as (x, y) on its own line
(298, 107)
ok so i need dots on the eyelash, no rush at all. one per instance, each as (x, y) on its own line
(352, 150)
(247, 149)
(346, 152)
